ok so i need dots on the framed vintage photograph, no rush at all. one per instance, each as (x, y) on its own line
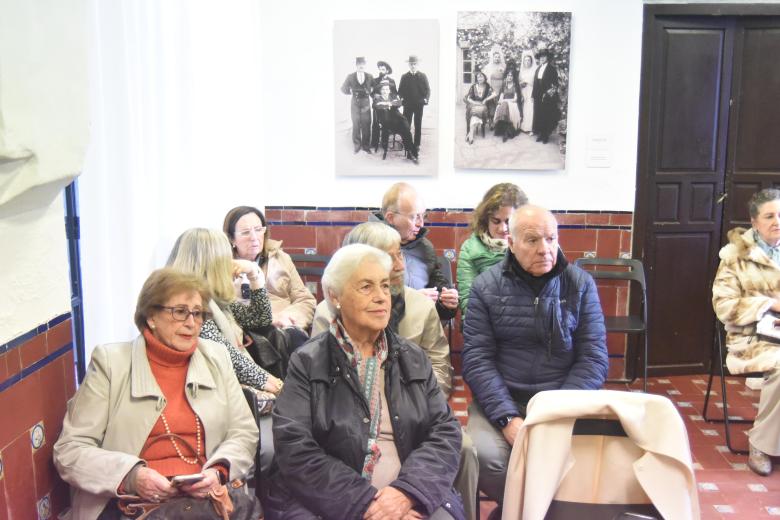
(512, 87)
(386, 97)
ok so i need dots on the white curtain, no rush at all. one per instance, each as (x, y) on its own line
(175, 140)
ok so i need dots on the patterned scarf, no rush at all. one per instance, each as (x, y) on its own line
(494, 245)
(368, 371)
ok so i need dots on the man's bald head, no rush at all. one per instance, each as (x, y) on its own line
(534, 239)
(403, 209)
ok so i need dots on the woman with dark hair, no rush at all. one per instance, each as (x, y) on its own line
(477, 99)
(292, 303)
(487, 244)
(507, 120)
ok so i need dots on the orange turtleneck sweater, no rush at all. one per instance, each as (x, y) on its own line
(169, 368)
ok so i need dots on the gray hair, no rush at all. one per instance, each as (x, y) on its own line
(525, 209)
(343, 264)
(760, 198)
(376, 234)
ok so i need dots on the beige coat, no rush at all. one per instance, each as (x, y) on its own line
(420, 325)
(110, 418)
(542, 454)
(744, 289)
(287, 292)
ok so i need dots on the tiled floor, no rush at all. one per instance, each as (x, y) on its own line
(727, 488)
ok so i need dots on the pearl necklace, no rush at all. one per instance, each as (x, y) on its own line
(192, 461)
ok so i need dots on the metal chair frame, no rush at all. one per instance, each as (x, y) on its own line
(632, 323)
(718, 362)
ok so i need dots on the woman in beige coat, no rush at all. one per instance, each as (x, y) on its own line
(746, 288)
(292, 303)
(127, 429)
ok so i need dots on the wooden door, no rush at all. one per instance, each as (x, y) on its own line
(754, 128)
(682, 163)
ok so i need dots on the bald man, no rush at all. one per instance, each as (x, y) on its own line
(404, 210)
(534, 323)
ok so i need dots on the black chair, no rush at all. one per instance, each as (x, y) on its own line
(252, 481)
(393, 146)
(445, 266)
(632, 271)
(310, 265)
(718, 364)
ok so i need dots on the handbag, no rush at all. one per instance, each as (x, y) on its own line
(225, 502)
(270, 350)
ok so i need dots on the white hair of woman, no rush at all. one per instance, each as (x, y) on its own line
(376, 234)
(344, 263)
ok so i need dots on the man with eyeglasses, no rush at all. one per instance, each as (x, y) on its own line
(404, 210)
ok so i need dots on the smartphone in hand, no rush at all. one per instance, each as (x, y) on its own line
(181, 480)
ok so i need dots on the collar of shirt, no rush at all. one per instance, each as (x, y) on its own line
(772, 252)
(541, 71)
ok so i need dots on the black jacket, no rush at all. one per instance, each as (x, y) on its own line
(320, 433)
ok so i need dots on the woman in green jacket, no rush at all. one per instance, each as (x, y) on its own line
(487, 244)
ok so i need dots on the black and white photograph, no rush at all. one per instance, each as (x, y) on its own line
(386, 97)
(512, 90)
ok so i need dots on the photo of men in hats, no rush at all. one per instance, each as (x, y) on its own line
(400, 108)
(360, 85)
(415, 92)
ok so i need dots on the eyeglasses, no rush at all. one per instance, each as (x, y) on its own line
(182, 312)
(422, 217)
(244, 233)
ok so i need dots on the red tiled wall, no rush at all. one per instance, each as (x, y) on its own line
(37, 378)
(607, 234)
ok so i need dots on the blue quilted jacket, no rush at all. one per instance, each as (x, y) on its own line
(515, 340)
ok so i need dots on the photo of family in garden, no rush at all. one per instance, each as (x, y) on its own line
(512, 81)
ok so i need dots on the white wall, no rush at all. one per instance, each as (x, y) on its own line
(34, 286)
(603, 99)
(198, 106)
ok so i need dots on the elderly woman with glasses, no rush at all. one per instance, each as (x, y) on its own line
(362, 429)
(162, 406)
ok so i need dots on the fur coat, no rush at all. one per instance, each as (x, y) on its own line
(744, 289)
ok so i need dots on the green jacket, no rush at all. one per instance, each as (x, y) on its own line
(474, 259)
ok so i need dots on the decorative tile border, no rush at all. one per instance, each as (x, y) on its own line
(279, 220)
(40, 329)
(8, 383)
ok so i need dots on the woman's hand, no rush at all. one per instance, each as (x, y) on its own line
(389, 504)
(283, 322)
(252, 271)
(201, 488)
(273, 385)
(152, 486)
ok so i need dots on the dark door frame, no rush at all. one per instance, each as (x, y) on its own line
(73, 233)
(650, 24)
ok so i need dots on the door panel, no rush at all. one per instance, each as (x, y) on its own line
(678, 329)
(683, 177)
(754, 150)
(691, 98)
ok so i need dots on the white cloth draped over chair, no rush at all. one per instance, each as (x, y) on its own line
(651, 465)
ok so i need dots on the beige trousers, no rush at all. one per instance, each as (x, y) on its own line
(765, 434)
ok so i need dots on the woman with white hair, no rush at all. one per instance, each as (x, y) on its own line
(362, 429)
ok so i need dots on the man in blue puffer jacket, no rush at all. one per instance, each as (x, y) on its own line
(534, 323)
